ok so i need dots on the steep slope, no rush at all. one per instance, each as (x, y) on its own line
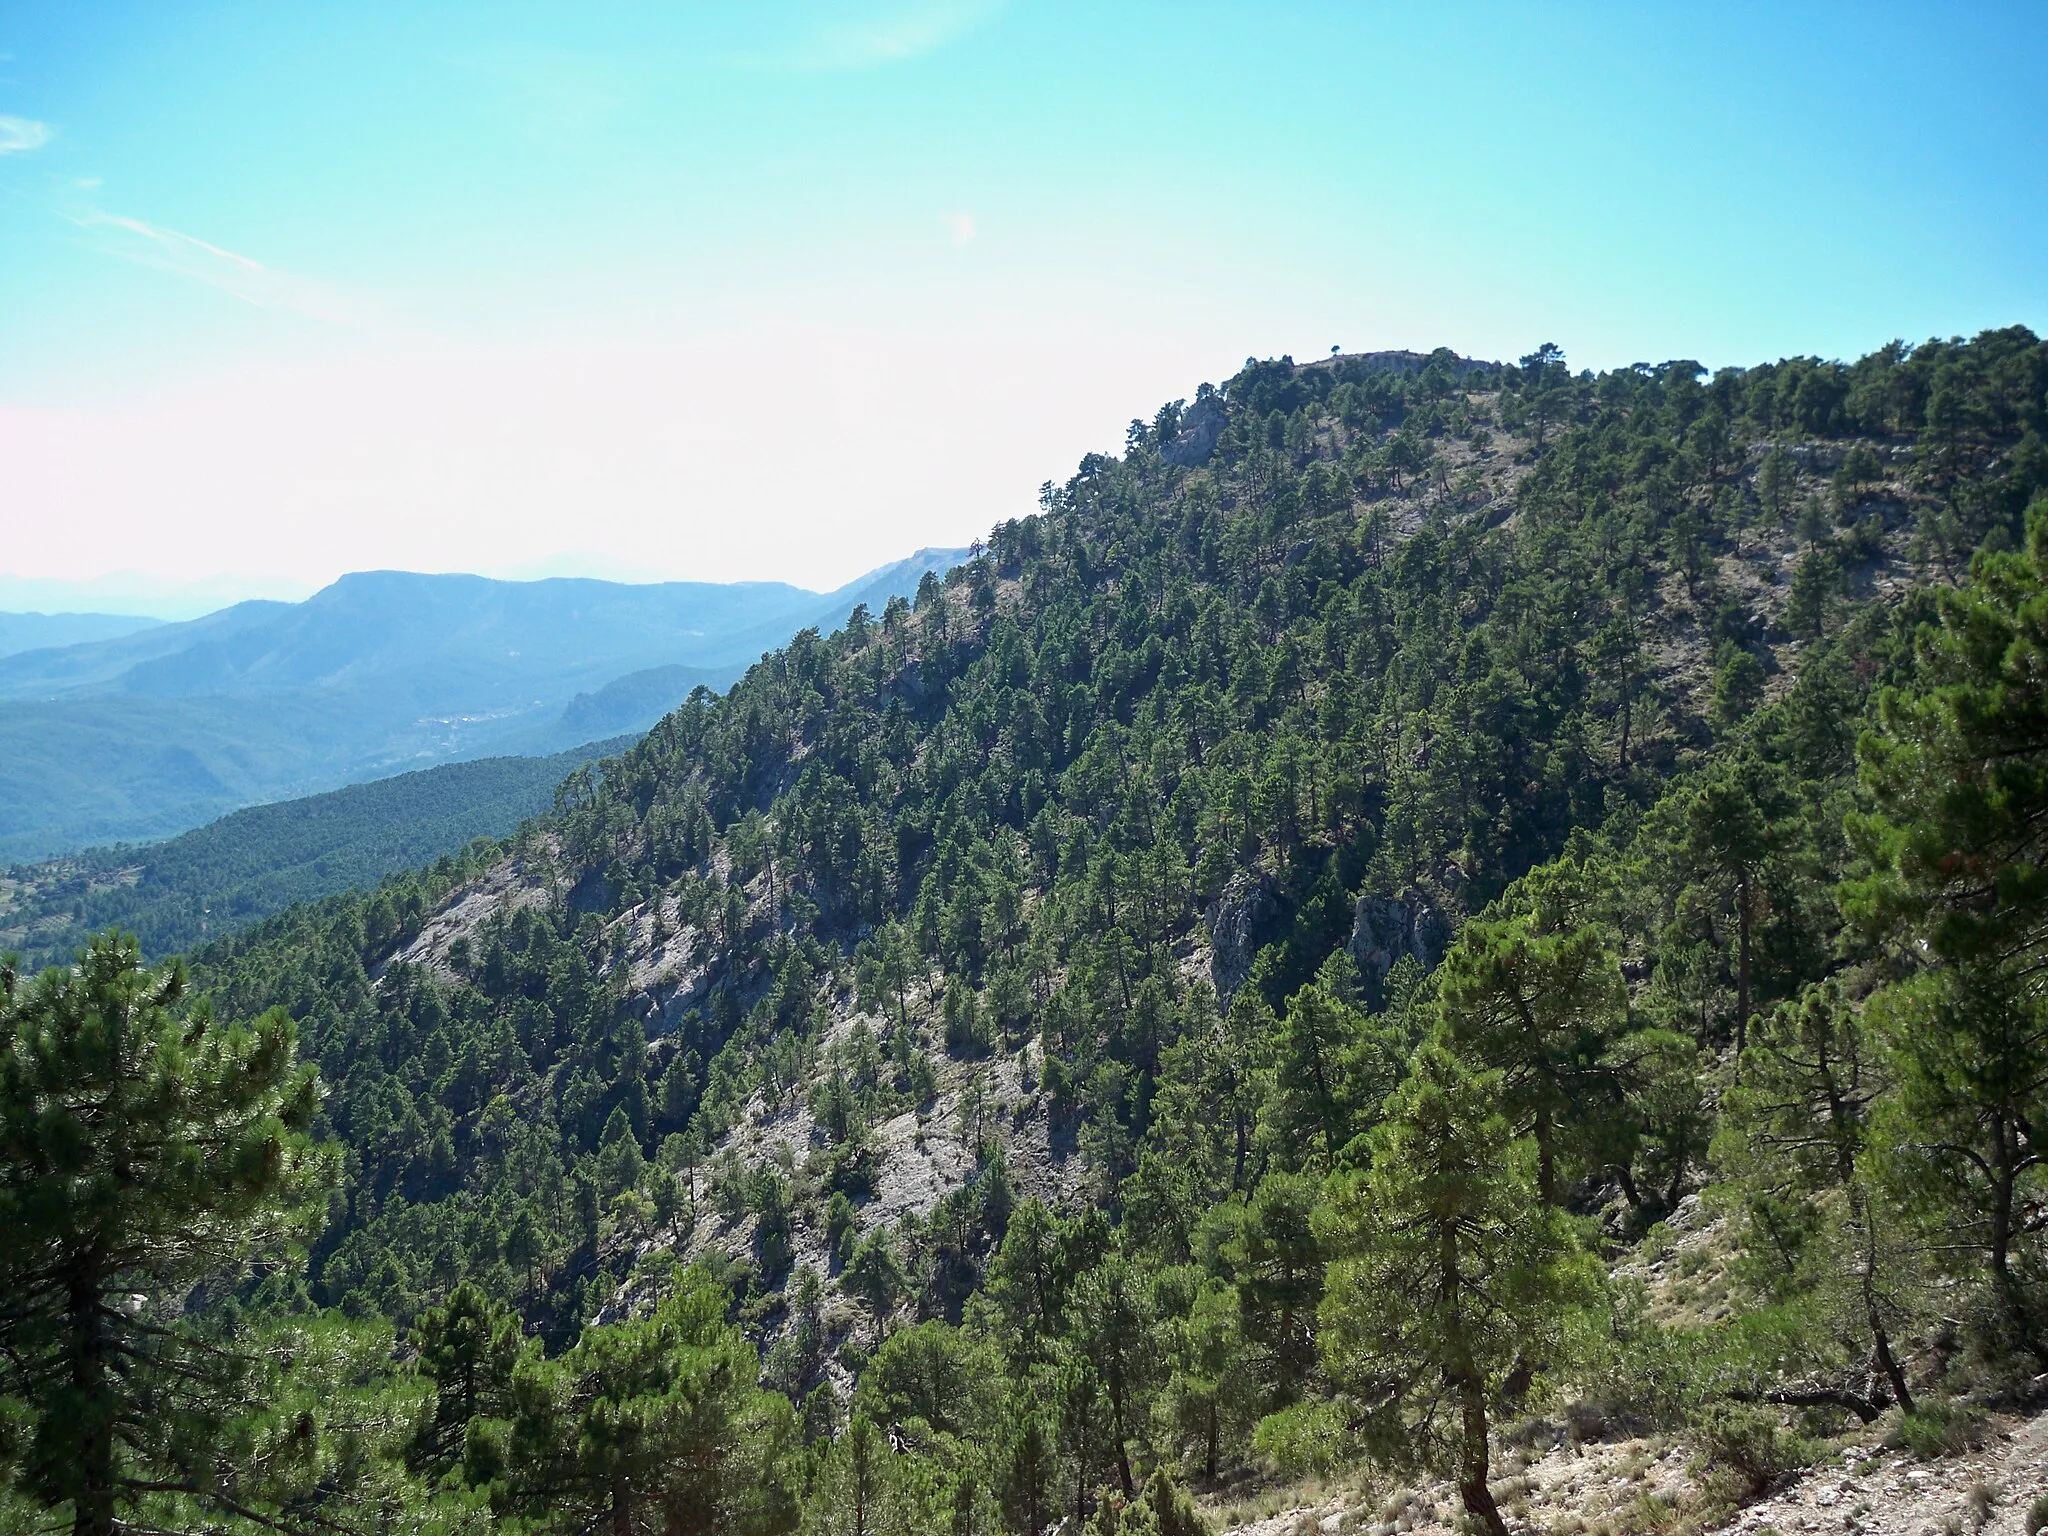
(1055, 1005)
(1332, 687)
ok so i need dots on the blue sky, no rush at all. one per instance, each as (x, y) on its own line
(788, 290)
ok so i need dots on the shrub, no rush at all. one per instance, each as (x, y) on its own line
(1306, 1440)
(1938, 1429)
(1752, 1444)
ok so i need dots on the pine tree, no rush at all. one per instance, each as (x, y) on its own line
(1962, 1135)
(653, 1425)
(1959, 770)
(144, 1148)
(1794, 1136)
(1453, 1273)
(1114, 1329)
(1731, 823)
(1542, 1009)
(469, 1345)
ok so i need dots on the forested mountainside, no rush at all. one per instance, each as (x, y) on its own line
(1243, 978)
(213, 880)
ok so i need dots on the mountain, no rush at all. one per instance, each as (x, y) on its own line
(1437, 930)
(41, 631)
(219, 878)
(145, 734)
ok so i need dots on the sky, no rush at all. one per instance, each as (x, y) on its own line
(787, 291)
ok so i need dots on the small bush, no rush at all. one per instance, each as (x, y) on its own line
(1981, 1497)
(1752, 1444)
(2037, 1516)
(1938, 1429)
(1160, 1509)
(1307, 1439)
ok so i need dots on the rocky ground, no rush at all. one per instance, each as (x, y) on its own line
(1664, 1485)
(1637, 1487)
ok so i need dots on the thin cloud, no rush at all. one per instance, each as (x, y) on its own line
(243, 277)
(959, 225)
(18, 135)
(887, 35)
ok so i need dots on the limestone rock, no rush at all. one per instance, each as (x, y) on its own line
(1384, 928)
(1244, 919)
(1200, 425)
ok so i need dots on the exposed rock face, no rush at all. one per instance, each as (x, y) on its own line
(1384, 928)
(1407, 364)
(907, 685)
(1200, 426)
(1246, 917)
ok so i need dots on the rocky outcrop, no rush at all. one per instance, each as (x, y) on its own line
(1249, 915)
(907, 685)
(1384, 928)
(1200, 425)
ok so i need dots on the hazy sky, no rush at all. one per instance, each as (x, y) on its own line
(787, 291)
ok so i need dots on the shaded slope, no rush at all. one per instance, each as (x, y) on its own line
(246, 866)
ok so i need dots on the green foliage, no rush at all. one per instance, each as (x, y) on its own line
(1751, 1444)
(175, 895)
(1968, 1055)
(1958, 769)
(471, 1348)
(1940, 1429)
(1451, 1272)
(1160, 1509)
(1484, 779)
(144, 1149)
(652, 1425)
(1544, 1009)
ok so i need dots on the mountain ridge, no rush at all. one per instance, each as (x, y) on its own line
(377, 673)
(35, 631)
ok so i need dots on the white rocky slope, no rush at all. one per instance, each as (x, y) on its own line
(1998, 1489)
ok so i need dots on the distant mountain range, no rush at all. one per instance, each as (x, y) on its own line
(144, 733)
(37, 631)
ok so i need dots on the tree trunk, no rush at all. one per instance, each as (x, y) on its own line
(1880, 1339)
(1546, 1160)
(1742, 970)
(1464, 1379)
(93, 1505)
(1627, 714)
(1473, 1461)
(1209, 1457)
(1629, 1189)
(2011, 1163)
